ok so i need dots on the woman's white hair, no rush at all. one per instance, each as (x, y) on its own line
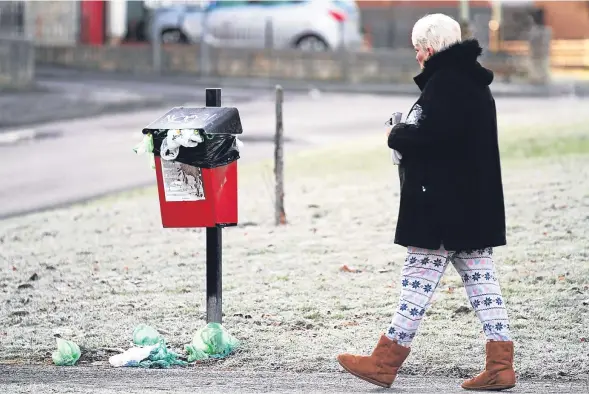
(436, 31)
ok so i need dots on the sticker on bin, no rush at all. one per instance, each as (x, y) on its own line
(182, 182)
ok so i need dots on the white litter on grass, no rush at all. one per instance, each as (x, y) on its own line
(131, 357)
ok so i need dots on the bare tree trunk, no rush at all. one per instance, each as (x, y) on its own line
(280, 215)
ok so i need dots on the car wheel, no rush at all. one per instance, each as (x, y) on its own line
(173, 36)
(312, 43)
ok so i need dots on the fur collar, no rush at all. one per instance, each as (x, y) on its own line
(462, 56)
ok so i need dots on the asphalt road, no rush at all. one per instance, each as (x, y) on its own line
(64, 94)
(85, 380)
(46, 162)
(61, 94)
(61, 162)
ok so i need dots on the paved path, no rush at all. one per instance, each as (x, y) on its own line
(63, 96)
(84, 380)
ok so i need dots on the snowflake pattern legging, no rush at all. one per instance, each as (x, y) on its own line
(420, 276)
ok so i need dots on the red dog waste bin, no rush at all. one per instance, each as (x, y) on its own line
(197, 182)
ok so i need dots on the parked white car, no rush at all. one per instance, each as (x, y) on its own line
(313, 25)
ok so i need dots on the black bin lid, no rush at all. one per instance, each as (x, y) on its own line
(210, 120)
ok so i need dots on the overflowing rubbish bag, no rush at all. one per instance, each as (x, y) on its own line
(211, 341)
(150, 351)
(218, 150)
(200, 137)
(175, 138)
(67, 353)
(212, 151)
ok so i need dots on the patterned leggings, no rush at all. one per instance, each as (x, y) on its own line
(421, 274)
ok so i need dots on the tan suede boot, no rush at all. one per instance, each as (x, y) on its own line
(498, 373)
(381, 367)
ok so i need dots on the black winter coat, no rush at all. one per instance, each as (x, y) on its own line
(451, 187)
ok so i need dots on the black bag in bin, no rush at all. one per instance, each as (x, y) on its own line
(214, 151)
(218, 127)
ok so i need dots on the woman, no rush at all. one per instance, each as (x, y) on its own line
(451, 208)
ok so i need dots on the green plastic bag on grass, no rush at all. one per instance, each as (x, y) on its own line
(144, 335)
(211, 341)
(162, 357)
(195, 354)
(67, 353)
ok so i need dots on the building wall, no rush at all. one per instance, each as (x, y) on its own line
(568, 19)
(389, 23)
(52, 22)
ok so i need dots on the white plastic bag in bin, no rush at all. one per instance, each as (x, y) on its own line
(239, 144)
(188, 138)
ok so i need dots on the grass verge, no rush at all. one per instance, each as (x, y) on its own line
(103, 268)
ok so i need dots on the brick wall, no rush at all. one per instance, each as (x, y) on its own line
(389, 24)
(568, 19)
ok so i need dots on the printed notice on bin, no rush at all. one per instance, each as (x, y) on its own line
(182, 182)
